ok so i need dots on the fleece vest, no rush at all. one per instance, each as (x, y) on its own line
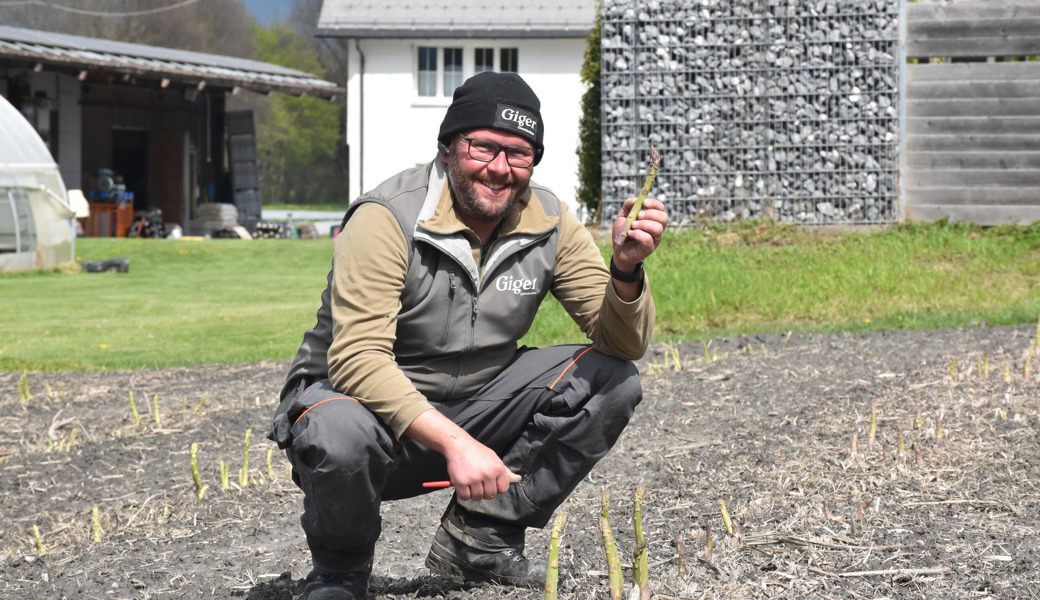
(459, 322)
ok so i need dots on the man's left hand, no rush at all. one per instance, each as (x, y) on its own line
(644, 236)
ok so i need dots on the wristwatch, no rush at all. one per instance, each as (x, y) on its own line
(620, 275)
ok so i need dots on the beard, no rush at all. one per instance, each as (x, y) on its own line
(469, 201)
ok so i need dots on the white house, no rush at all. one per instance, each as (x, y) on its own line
(406, 57)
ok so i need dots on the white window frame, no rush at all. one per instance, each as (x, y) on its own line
(469, 54)
(494, 53)
(446, 74)
(498, 58)
(422, 82)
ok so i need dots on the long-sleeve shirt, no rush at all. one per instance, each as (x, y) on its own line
(370, 269)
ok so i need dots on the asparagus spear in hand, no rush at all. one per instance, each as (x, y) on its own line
(655, 161)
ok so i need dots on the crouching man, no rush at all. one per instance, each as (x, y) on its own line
(413, 373)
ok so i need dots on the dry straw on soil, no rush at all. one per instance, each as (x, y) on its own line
(764, 425)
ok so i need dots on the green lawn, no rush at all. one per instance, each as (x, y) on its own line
(182, 303)
(225, 301)
(752, 278)
(340, 208)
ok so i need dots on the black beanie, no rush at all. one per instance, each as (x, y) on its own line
(496, 101)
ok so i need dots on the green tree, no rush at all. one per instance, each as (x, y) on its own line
(331, 51)
(297, 137)
(590, 151)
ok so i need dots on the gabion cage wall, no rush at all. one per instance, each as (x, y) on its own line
(781, 109)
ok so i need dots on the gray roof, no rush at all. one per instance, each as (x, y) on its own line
(459, 19)
(77, 53)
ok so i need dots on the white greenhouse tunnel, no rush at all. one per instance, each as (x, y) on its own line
(37, 219)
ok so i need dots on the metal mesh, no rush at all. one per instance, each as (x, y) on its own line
(781, 109)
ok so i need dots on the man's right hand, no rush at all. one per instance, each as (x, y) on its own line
(475, 470)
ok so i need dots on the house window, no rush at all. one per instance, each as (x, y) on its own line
(427, 71)
(507, 60)
(441, 70)
(452, 70)
(483, 60)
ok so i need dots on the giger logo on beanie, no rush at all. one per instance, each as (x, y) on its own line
(498, 101)
(516, 119)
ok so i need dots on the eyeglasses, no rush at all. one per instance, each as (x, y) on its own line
(487, 151)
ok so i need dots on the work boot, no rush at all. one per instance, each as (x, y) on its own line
(451, 558)
(342, 586)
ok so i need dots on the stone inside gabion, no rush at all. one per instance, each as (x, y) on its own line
(760, 108)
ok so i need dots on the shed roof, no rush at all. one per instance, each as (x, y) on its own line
(76, 53)
(459, 19)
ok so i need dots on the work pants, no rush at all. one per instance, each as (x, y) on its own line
(551, 415)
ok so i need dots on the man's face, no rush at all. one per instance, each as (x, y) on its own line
(486, 191)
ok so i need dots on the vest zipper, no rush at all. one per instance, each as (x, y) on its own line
(451, 304)
(473, 324)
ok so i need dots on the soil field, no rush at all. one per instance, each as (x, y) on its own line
(98, 504)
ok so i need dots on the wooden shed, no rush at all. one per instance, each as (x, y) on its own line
(139, 127)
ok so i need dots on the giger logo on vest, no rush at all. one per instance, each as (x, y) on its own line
(517, 285)
(517, 119)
